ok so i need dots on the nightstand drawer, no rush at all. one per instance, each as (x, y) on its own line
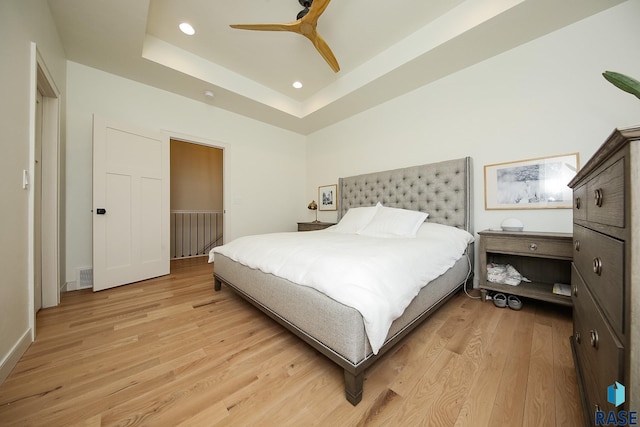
(531, 246)
(605, 196)
(600, 352)
(600, 261)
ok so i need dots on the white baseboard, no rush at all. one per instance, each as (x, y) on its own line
(74, 286)
(11, 360)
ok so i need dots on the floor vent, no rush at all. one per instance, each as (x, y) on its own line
(84, 277)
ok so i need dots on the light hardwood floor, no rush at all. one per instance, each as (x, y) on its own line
(172, 352)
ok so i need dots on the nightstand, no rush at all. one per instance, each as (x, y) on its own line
(312, 226)
(543, 258)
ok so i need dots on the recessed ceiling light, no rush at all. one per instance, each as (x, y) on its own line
(187, 29)
(297, 85)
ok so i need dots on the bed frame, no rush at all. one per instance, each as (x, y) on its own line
(337, 331)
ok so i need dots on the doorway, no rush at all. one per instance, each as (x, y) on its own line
(36, 181)
(196, 199)
(44, 171)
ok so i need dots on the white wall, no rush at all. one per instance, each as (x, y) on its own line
(264, 166)
(21, 23)
(544, 98)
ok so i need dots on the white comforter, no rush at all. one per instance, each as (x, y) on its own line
(377, 276)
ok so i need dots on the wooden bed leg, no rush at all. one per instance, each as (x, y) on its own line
(353, 386)
(217, 284)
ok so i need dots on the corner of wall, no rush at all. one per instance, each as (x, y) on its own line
(15, 354)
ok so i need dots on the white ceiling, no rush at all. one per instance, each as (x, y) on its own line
(385, 48)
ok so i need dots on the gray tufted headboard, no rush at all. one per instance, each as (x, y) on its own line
(441, 189)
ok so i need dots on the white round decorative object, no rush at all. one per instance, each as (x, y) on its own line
(512, 224)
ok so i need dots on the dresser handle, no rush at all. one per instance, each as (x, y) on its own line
(594, 338)
(599, 197)
(575, 291)
(597, 266)
(577, 337)
(597, 407)
(533, 246)
(576, 245)
(577, 202)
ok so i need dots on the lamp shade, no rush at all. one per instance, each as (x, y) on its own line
(314, 207)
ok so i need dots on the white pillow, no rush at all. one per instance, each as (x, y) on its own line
(394, 222)
(432, 230)
(356, 219)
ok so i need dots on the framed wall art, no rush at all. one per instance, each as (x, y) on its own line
(328, 197)
(539, 183)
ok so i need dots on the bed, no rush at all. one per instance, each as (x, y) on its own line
(336, 329)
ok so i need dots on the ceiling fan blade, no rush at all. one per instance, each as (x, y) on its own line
(290, 26)
(324, 50)
(316, 9)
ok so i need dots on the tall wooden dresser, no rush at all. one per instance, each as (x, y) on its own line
(605, 275)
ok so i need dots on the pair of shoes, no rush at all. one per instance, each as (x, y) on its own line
(514, 302)
(500, 300)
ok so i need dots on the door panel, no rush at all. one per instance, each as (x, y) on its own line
(118, 238)
(131, 184)
(151, 239)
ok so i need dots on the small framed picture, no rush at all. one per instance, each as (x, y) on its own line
(539, 183)
(328, 197)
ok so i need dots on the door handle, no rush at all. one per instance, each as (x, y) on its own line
(101, 211)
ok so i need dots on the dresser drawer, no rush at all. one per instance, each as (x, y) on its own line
(605, 196)
(600, 353)
(533, 246)
(597, 372)
(600, 260)
(580, 203)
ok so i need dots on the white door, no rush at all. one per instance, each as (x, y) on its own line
(130, 204)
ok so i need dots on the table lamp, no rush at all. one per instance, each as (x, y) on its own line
(314, 207)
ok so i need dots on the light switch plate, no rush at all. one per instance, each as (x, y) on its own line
(25, 179)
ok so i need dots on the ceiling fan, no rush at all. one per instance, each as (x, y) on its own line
(305, 25)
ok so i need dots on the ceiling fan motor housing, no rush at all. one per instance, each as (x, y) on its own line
(306, 4)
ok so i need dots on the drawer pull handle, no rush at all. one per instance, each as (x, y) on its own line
(594, 338)
(577, 337)
(597, 266)
(577, 202)
(576, 245)
(533, 247)
(575, 291)
(599, 197)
